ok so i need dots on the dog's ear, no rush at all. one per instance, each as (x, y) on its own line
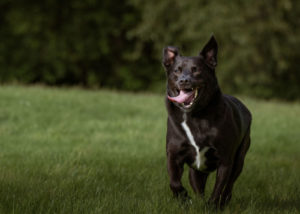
(210, 52)
(169, 55)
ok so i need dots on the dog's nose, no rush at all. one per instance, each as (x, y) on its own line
(184, 79)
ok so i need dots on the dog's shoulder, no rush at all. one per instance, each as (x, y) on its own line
(241, 113)
(237, 104)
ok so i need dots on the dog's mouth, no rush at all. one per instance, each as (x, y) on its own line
(185, 97)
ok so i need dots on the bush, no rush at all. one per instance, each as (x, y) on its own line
(118, 44)
(257, 39)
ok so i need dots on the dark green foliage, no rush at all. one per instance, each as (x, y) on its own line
(257, 40)
(69, 42)
(118, 44)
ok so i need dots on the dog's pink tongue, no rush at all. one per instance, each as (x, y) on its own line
(182, 97)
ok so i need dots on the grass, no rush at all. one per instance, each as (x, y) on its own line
(76, 151)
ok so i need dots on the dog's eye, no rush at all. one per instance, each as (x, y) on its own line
(194, 69)
(179, 69)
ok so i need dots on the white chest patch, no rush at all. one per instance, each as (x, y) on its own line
(200, 154)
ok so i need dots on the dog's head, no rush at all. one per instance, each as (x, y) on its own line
(191, 80)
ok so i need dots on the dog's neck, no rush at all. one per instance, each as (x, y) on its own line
(208, 102)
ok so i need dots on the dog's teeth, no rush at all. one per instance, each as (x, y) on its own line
(196, 93)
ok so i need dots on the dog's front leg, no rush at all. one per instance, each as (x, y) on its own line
(175, 170)
(223, 174)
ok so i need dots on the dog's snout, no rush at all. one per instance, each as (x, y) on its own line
(184, 79)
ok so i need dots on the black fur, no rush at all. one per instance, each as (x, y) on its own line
(220, 122)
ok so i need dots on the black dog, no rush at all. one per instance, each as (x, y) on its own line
(206, 129)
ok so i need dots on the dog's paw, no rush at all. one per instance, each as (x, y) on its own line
(186, 202)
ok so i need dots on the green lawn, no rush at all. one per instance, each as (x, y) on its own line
(77, 151)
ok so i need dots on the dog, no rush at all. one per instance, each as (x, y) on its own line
(206, 129)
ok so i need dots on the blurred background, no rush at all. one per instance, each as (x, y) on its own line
(68, 150)
(118, 44)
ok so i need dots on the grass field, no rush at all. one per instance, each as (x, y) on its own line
(76, 151)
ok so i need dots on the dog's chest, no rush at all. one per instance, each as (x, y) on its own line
(200, 153)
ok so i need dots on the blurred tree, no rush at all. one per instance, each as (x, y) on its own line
(118, 44)
(257, 40)
(69, 42)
